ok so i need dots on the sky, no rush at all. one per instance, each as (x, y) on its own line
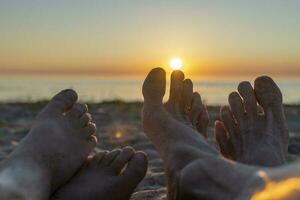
(220, 37)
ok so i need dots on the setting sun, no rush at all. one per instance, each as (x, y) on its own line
(176, 63)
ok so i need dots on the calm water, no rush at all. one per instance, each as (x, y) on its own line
(98, 89)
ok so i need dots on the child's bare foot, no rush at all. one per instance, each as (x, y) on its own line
(112, 175)
(56, 146)
(249, 137)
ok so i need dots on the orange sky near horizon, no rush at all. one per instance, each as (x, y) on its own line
(220, 38)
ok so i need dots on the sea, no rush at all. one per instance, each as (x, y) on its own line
(25, 88)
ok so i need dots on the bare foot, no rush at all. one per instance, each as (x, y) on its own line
(179, 144)
(56, 146)
(112, 175)
(249, 137)
(183, 107)
(195, 170)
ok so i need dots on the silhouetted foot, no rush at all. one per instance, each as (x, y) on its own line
(172, 127)
(195, 170)
(184, 110)
(249, 137)
(56, 146)
(112, 175)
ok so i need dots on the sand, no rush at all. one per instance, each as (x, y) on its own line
(119, 126)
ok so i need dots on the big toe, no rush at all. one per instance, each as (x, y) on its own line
(154, 86)
(61, 102)
(269, 97)
(267, 92)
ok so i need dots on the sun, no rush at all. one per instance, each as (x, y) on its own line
(176, 63)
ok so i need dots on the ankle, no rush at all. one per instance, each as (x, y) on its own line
(20, 176)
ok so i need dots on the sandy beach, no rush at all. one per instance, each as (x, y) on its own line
(119, 126)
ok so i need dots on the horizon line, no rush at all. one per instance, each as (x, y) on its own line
(130, 72)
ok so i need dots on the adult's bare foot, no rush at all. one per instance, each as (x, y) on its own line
(249, 137)
(56, 146)
(195, 169)
(184, 107)
(112, 175)
(179, 144)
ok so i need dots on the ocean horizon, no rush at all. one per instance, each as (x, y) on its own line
(97, 89)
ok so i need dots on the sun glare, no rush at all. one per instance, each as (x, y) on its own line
(118, 134)
(176, 63)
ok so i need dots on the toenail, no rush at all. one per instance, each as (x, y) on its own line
(93, 139)
(141, 155)
(70, 92)
(178, 74)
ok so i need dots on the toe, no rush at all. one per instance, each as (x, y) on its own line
(199, 114)
(133, 174)
(187, 95)
(89, 130)
(97, 159)
(223, 140)
(196, 108)
(78, 110)
(230, 126)
(227, 119)
(85, 119)
(246, 91)
(269, 97)
(136, 169)
(110, 157)
(267, 93)
(176, 88)
(120, 161)
(61, 102)
(237, 107)
(203, 121)
(92, 142)
(154, 86)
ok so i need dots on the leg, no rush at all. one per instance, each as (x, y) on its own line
(215, 178)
